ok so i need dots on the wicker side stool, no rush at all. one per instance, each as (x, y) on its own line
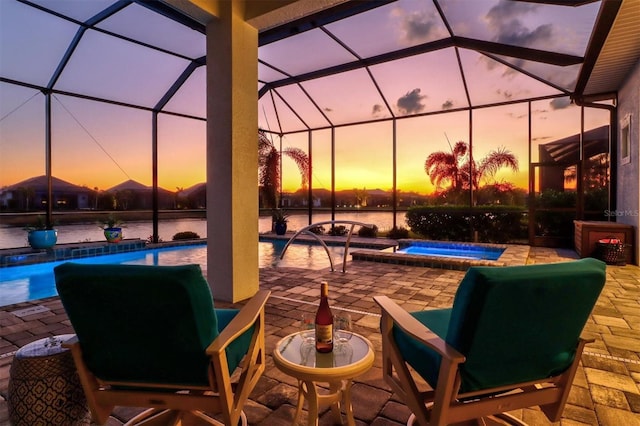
(612, 251)
(44, 388)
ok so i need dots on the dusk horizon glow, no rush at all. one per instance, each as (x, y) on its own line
(101, 145)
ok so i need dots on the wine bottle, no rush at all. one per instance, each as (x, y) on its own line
(324, 322)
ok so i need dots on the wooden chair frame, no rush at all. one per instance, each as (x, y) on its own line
(225, 394)
(445, 405)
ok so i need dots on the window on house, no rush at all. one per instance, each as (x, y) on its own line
(625, 139)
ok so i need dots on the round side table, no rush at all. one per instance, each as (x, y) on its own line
(44, 388)
(298, 358)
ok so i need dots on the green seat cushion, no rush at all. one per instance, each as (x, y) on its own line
(425, 361)
(515, 324)
(150, 324)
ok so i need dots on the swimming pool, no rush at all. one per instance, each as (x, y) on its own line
(453, 250)
(33, 282)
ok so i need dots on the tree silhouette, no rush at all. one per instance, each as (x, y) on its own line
(445, 166)
(596, 172)
(361, 197)
(269, 168)
(455, 166)
(178, 197)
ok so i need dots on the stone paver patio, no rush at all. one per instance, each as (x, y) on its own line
(606, 390)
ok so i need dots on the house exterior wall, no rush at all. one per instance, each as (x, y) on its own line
(628, 173)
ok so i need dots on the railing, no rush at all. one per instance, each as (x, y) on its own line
(306, 230)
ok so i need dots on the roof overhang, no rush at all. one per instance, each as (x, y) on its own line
(614, 49)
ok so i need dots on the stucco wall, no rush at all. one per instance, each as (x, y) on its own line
(628, 175)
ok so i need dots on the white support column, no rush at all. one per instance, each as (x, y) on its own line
(232, 154)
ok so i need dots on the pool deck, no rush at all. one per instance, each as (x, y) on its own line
(606, 390)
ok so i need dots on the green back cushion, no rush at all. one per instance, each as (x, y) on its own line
(516, 324)
(141, 323)
(239, 347)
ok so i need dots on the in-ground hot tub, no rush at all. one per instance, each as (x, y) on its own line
(445, 254)
(452, 250)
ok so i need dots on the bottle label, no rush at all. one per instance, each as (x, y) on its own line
(324, 333)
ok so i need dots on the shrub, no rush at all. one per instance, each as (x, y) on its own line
(555, 223)
(185, 235)
(338, 231)
(396, 233)
(368, 231)
(318, 230)
(494, 224)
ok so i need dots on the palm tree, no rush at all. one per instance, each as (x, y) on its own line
(177, 197)
(269, 168)
(456, 167)
(445, 166)
(361, 196)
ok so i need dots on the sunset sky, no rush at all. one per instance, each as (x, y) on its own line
(101, 145)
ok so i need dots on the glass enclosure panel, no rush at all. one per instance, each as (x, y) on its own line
(321, 171)
(347, 97)
(101, 146)
(417, 139)
(301, 103)
(555, 143)
(554, 208)
(501, 153)
(22, 146)
(491, 82)
(267, 73)
(401, 24)
(364, 174)
(80, 10)
(555, 131)
(564, 77)
(191, 98)
(307, 51)
(422, 87)
(267, 118)
(110, 68)
(597, 164)
(295, 158)
(45, 47)
(364, 165)
(143, 25)
(182, 153)
(288, 118)
(538, 26)
(182, 169)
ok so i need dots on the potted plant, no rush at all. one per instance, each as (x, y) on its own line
(279, 219)
(41, 235)
(112, 228)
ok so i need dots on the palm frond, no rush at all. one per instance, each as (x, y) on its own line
(302, 161)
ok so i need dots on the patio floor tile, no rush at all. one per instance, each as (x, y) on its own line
(606, 390)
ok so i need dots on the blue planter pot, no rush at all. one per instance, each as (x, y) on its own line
(280, 228)
(43, 238)
(113, 235)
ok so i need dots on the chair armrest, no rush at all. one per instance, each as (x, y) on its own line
(417, 330)
(70, 341)
(244, 320)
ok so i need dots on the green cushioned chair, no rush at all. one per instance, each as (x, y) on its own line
(149, 336)
(511, 340)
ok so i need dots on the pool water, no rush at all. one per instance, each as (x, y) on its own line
(36, 281)
(457, 251)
